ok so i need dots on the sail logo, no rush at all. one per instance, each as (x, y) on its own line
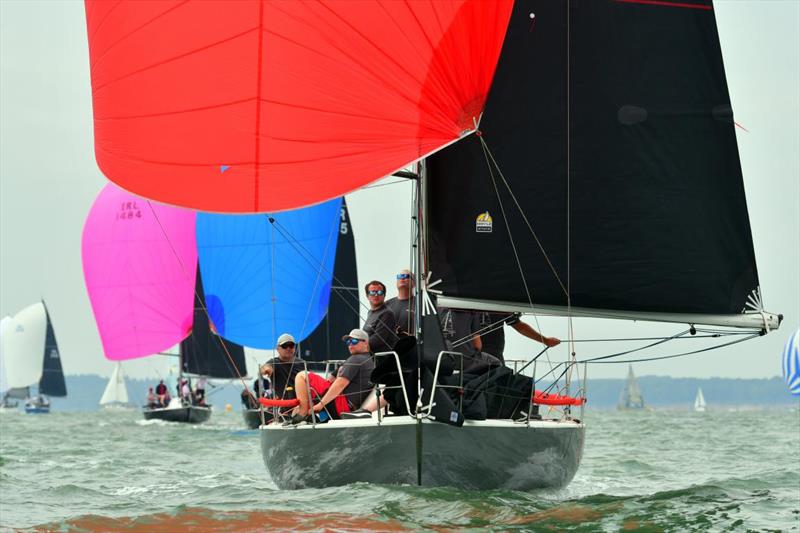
(129, 210)
(483, 224)
(54, 354)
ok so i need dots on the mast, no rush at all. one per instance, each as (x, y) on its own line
(417, 246)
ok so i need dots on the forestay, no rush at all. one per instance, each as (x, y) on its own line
(261, 106)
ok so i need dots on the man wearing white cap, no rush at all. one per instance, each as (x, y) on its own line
(347, 391)
(283, 369)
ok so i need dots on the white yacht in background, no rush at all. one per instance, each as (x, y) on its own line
(699, 401)
(31, 356)
(115, 396)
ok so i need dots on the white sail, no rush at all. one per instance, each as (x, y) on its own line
(631, 396)
(699, 401)
(3, 382)
(116, 390)
(23, 346)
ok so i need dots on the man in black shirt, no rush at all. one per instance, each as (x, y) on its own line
(282, 369)
(381, 325)
(491, 329)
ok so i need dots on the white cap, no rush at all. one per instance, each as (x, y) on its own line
(283, 339)
(359, 334)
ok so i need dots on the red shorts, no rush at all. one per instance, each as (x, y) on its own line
(320, 386)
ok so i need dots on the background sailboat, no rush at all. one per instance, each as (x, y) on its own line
(115, 395)
(631, 395)
(31, 356)
(699, 401)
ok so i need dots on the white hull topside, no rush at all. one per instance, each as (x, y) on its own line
(481, 455)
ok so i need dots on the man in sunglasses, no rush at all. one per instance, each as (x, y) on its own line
(347, 391)
(283, 369)
(381, 324)
(403, 304)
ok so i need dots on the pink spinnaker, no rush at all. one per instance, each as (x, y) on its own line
(140, 265)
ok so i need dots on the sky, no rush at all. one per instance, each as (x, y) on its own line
(49, 179)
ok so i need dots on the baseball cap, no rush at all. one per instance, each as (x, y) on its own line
(359, 334)
(284, 339)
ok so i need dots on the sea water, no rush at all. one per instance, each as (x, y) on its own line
(721, 470)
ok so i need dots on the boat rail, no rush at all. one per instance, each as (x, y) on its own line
(427, 409)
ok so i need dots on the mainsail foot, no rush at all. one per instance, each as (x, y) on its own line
(756, 320)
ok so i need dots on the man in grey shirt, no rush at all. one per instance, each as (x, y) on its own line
(402, 305)
(347, 391)
(381, 324)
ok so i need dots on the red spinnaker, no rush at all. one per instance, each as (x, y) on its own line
(263, 105)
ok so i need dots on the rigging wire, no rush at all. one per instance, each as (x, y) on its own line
(601, 360)
(202, 303)
(305, 255)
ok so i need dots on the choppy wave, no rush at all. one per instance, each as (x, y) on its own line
(111, 471)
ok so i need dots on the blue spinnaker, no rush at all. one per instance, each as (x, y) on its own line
(265, 275)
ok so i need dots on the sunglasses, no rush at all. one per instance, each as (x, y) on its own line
(287, 345)
(403, 276)
(352, 342)
(379, 292)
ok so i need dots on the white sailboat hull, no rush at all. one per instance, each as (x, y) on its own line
(481, 455)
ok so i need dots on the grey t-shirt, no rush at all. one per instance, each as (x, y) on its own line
(357, 369)
(380, 326)
(403, 313)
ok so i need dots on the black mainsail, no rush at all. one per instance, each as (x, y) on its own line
(52, 381)
(325, 342)
(611, 123)
(202, 352)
